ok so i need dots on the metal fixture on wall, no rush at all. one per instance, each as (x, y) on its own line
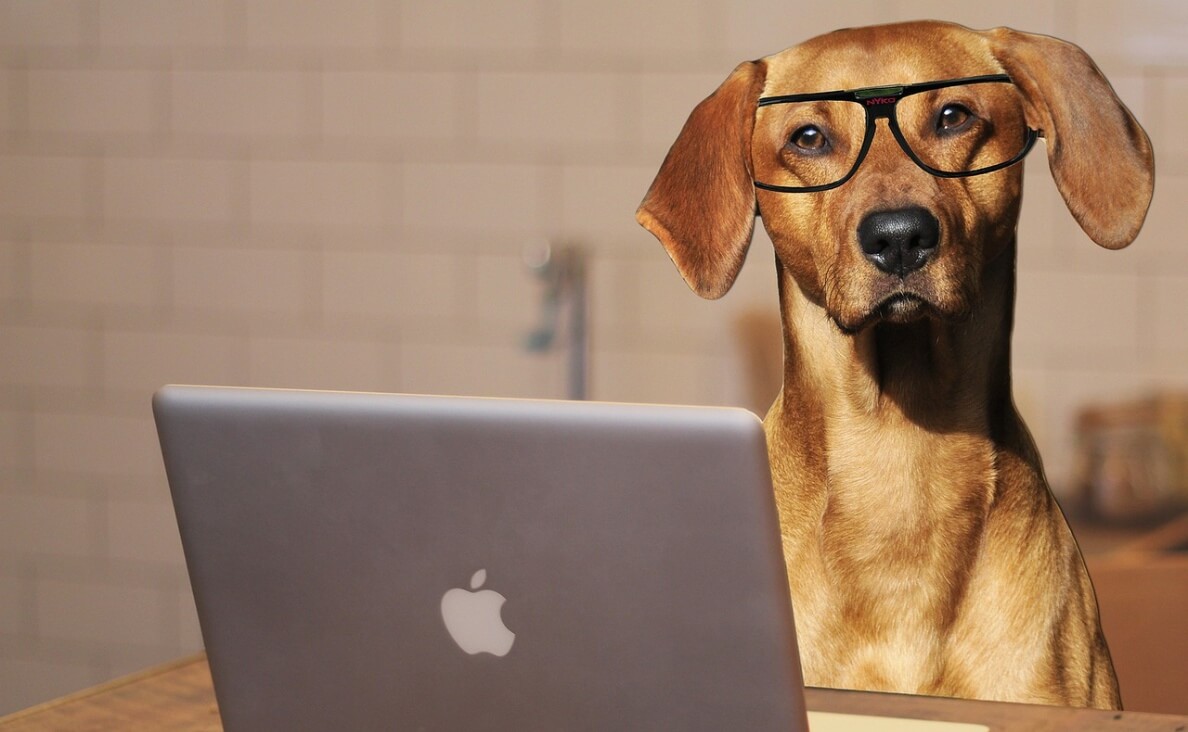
(562, 269)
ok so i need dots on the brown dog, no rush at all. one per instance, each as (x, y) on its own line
(925, 552)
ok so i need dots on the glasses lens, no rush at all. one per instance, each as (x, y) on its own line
(963, 129)
(811, 143)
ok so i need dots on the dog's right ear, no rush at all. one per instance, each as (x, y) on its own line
(1099, 155)
(702, 204)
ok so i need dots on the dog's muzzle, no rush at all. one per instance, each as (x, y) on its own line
(899, 242)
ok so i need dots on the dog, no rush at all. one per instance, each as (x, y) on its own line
(925, 551)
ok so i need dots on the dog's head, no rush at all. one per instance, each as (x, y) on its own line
(894, 242)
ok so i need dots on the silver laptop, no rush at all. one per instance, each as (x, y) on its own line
(368, 561)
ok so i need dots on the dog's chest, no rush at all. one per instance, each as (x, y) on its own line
(897, 525)
(896, 542)
(896, 480)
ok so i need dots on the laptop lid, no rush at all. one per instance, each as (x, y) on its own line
(368, 561)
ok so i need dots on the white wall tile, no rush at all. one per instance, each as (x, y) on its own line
(475, 370)
(462, 25)
(599, 202)
(14, 270)
(32, 523)
(343, 193)
(1077, 315)
(168, 189)
(508, 292)
(1042, 220)
(1170, 301)
(1133, 31)
(136, 23)
(341, 24)
(144, 361)
(1034, 17)
(96, 444)
(626, 27)
(41, 356)
(96, 274)
(95, 101)
(390, 104)
(388, 284)
(45, 186)
(549, 108)
(656, 377)
(97, 612)
(7, 104)
(1166, 129)
(249, 280)
(612, 295)
(473, 196)
(322, 363)
(45, 23)
(14, 439)
(667, 305)
(755, 29)
(262, 103)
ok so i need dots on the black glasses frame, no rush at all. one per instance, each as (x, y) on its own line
(879, 103)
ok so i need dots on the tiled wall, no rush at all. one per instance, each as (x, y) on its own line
(338, 194)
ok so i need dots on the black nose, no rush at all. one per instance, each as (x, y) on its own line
(899, 242)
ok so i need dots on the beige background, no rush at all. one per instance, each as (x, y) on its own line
(338, 194)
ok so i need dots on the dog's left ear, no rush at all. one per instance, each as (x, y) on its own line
(702, 204)
(1099, 155)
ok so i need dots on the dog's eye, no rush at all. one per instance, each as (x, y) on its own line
(810, 138)
(953, 117)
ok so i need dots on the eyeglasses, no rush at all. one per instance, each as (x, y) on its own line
(952, 129)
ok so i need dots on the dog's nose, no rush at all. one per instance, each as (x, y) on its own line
(899, 242)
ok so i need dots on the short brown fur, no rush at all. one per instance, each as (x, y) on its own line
(925, 552)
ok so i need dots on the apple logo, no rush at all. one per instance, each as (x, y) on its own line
(473, 618)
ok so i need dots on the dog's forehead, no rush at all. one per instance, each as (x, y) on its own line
(902, 53)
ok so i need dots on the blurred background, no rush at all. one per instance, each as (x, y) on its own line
(348, 195)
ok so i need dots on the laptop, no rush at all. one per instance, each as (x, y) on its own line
(391, 562)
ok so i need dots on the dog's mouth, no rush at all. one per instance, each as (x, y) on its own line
(898, 307)
(903, 307)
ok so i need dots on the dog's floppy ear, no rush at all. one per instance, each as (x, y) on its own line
(1099, 155)
(702, 204)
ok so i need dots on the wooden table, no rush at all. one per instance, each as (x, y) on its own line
(178, 697)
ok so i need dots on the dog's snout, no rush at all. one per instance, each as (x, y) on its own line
(899, 242)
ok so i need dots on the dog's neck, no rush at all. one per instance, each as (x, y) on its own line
(942, 376)
(848, 401)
